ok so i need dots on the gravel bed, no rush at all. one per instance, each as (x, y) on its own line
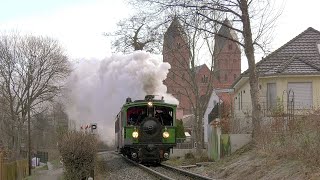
(118, 168)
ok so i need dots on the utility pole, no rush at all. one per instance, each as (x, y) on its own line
(29, 135)
(28, 119)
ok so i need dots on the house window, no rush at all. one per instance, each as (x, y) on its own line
(271, 95)
(301, 95)
(239, 99)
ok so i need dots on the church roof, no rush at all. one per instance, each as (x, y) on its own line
(197, 68)
(175, 29)
(225, 33)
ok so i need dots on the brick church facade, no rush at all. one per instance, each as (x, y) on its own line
(176, 51)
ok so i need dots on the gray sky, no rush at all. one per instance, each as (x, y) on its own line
(79, 24)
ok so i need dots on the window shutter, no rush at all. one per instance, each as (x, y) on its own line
(302, 95)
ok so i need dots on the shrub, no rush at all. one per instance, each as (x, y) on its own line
(189, 155)
(78, 151)
(300, 139)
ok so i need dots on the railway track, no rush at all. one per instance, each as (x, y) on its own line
(167, 172)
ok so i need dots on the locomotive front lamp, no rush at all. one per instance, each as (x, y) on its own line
(150, 104)
(135, 134)
(165, 134)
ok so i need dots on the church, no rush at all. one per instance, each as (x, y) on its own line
(177, 52)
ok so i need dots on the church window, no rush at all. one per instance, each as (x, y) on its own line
(230, 46)
(178, 45)
(226, 77)
(204, 79)
(234, 76)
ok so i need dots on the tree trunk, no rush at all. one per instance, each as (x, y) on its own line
(253, 75)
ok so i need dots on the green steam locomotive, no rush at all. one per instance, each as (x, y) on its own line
(145, 130)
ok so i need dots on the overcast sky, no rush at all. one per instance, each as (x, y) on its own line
(79, 24)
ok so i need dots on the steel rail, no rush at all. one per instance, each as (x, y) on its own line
(188, 173)
(171, 168)
(155, 173)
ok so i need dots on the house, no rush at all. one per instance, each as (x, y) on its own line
(289, 81)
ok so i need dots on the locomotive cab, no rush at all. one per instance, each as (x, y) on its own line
(148, 129)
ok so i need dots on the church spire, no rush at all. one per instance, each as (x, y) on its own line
(225, 33)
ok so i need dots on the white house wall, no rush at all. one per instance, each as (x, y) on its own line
(242, 111)
(213, 98)
(243, 115)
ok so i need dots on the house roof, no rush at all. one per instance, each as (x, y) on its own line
(299, 56)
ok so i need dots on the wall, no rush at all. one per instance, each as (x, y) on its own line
(243, 114)
(239, 140)
(181, 152)
(210, 106)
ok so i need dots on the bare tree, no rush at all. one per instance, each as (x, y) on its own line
(243, 13)
(32, 69)
(142, 31)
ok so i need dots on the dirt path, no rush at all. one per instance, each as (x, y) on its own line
(50, 174)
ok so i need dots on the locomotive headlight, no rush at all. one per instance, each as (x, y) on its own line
(150, 104)
(135, 134)
(165, 134)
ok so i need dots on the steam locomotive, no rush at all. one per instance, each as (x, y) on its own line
(145, 130)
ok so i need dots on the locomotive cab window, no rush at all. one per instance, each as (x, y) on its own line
(135, 115)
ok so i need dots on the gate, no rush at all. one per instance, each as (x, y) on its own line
(289, 115)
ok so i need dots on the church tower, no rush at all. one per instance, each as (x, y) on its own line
(177, 53)
(227, 56)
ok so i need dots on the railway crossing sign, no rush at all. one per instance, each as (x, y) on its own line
(90, 128)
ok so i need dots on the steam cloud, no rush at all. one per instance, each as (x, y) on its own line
(98, 89)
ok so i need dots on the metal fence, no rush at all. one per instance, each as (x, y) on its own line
(187, 143)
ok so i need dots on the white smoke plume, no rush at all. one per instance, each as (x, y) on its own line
(98, 89)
